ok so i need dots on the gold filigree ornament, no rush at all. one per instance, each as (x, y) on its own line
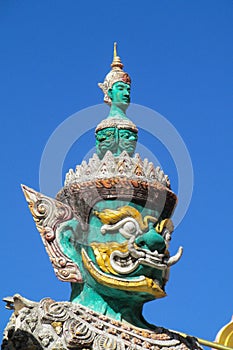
(103, 252)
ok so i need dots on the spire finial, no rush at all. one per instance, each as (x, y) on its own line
(115, 74)
(115, 50)
(116, 63)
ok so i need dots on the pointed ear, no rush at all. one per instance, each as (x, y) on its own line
(50, 216)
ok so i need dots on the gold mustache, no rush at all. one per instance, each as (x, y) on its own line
(103, 251)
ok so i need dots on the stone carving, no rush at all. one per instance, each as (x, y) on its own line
(81, 328)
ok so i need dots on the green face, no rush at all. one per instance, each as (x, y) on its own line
(120, 93)
(120, 245)
(103, 238)
(106, 140)
(116, 141)
(127, 141)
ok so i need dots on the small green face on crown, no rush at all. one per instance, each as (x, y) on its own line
(120, 94)
(115, 140)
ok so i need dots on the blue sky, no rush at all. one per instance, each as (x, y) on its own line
(179, 55)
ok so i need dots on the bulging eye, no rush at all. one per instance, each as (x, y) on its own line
(167, 235)
(130, 227)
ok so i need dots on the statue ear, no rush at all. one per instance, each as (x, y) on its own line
(57, 226)
(110, 93)
(68, 241)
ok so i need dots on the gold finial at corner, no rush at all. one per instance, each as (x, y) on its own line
(116, 63)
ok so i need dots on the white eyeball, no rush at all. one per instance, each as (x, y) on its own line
(129, 227)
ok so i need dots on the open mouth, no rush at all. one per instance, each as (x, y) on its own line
(135, 284)
(119, 264)
(125, 263)
(125, 258)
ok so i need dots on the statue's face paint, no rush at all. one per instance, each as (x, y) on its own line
(124, 251)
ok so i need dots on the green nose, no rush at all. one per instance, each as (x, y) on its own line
(152, 241)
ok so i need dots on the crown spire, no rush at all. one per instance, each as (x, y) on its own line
(116, 63)
(115, 49)
(116, 74)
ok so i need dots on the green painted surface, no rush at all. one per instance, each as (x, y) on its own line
(120, 97)
(115, 140)
(151, 240)
(112, 302)
(96, 292)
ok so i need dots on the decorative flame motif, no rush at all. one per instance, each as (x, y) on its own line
(48, 215)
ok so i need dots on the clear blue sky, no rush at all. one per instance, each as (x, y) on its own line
(179, 55)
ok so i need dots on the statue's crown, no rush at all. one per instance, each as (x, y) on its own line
(116, 74)
(123, 178)
(115, 173)
(122, 167)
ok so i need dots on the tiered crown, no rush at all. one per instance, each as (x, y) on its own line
(122, 166)
(116, 74)
(123, 178)
(117, 176)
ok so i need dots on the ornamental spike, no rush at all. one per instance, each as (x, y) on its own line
(115, 50)
(116, 63)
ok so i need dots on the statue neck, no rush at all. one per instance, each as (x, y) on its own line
(120, 310)
(118, 110)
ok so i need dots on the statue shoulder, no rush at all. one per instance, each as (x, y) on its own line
(65, 325)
